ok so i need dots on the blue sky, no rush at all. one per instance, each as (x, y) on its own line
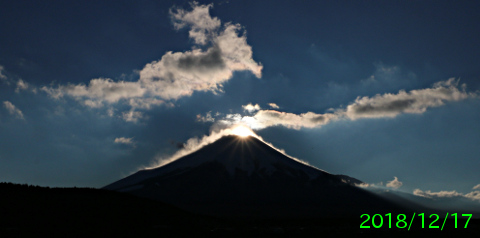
(93, 91)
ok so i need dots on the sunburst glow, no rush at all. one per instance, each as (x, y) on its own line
(242, 131)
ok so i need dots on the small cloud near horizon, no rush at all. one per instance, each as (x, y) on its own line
(395, 183)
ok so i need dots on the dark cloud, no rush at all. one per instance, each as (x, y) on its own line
(318, 119)
(393, 106)
(212, 60)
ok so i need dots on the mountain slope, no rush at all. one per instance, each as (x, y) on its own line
(244, 177)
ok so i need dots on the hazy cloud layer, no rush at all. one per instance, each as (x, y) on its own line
(13, 110)
(394, 183)
(380, 106)
(176, 74)
(476, 187)
(474, 195)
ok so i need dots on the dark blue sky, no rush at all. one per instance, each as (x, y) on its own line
(91, 91)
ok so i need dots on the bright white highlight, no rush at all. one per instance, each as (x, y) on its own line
(242, 131)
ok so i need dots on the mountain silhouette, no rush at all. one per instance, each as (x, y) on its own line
(238, 177)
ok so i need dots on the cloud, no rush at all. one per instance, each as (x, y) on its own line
(415, 101)
(395, 184)
(176, 74)
(273, 105)
(251, 108)
(267, 118)
(202, 25)
(207, 118)
(380, 106)
(476, 187)
(132, 116)
(99, 90)
(370, 185)
(123, 140)
(21, 85)
(2, 76)
(179, 74)
(13, 110)
(475, 195)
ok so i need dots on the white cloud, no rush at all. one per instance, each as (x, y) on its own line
(475, 195)
(202, 25)
(21, 85)
(2, 76)
(370, 185)
(176, 74)
(251, 108)
(13, 110)
(395, 183)
(415, 101)
(100, 90)
(363, 185)
(380, 106)
(267, 118)
(430, 194)
(476, 187)
(207, 118)
(273, 105)
(123, 140)
(132, 116)
(145, 103)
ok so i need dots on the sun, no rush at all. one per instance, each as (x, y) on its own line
(242, 131)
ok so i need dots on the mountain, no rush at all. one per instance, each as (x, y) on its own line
(240, 177)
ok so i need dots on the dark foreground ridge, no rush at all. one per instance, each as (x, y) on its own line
(32, 211)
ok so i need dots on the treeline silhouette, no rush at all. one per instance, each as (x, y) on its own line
(79, 212)
(34, 211)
